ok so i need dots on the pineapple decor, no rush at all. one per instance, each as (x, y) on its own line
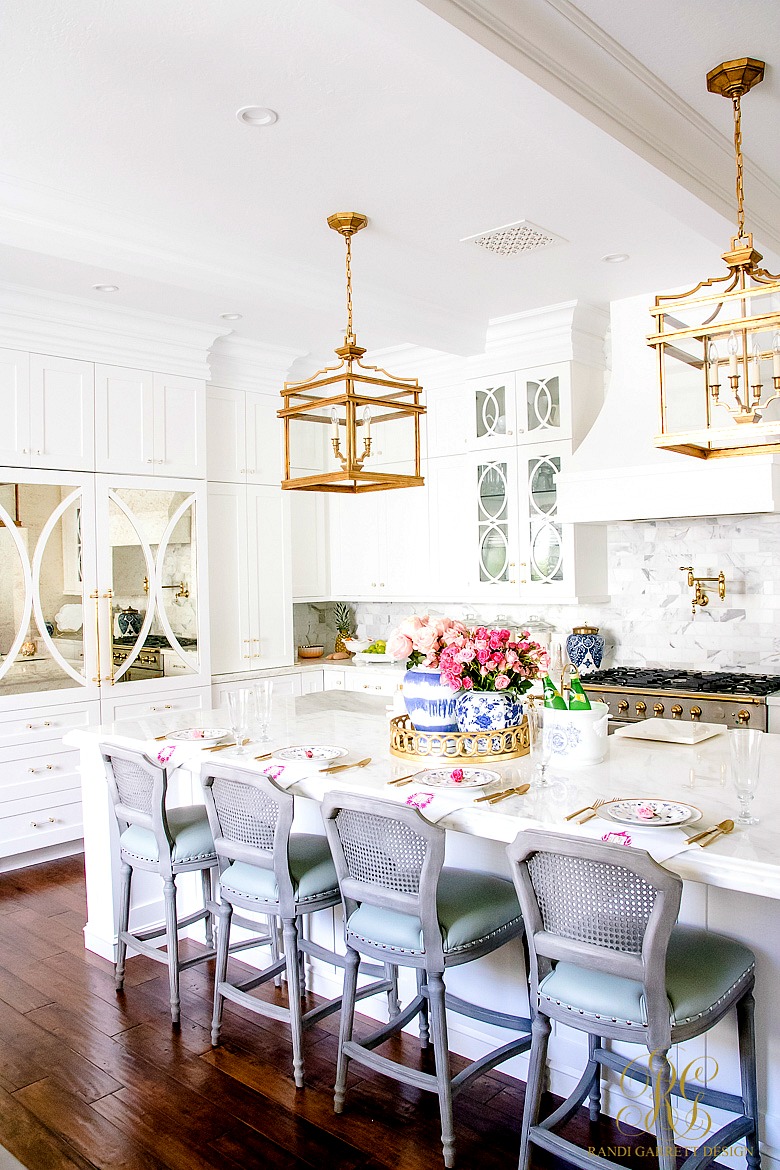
(343, 615)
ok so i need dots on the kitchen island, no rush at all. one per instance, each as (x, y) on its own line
(732, 886)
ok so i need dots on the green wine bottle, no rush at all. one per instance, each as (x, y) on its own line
(552, 696)
(578, 700)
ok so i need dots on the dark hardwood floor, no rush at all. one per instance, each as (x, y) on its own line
(92, 1079)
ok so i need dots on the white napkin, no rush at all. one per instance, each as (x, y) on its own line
(434, 805)
(660, 843)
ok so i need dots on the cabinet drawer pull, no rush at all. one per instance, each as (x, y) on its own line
(38, 824)
(150, 460)
(31, 727)
(45, 768)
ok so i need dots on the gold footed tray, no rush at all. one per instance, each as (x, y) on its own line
(496, 746)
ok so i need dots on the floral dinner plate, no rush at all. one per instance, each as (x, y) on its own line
(309, 751)
(202, 736)
(456, 777)
(649, 813)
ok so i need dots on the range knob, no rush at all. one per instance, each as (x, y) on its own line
(658, 709)
(743, 718)
(641, 707)
(676, 711)
(623, 706)
(695, 712)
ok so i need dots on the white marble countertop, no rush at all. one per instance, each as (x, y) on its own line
(747, 860)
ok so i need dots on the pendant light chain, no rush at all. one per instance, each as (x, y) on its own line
(350, 338)
(740, 166)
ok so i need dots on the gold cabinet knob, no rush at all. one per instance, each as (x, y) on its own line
(623, 705)
(743, 718)
(695, 712)
(641, 707)
(658, 708)
(676, 711)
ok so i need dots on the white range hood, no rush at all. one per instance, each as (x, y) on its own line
(616, 472)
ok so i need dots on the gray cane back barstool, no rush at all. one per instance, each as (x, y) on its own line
(266, 868)
(161, 840)
(608, 960)
(400, 903)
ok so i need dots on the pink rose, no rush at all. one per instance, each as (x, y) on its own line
(480, 632)
(495, 640)
(409, 626)
(505, 635)
(457, 775)
(502, 682)
(482, 657)
(467, 654)
(399, 645)
(466, 684)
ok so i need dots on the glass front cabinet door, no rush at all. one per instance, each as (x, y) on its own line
(48, 583)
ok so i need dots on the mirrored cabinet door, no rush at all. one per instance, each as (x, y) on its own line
(149, 573)
(48, 595)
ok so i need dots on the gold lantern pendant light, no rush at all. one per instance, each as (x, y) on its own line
(349, 399)
(718, 345)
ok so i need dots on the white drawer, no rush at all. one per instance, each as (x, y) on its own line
(46, 724)
(51, 825)
(333, 680)
(311, 682)
(138, 708)
(373, 683)
(38, 770)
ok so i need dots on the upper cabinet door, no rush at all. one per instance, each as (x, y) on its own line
(62, 413)
(268, 544)
(179, 426)
(229, 580)
(15, 408)
(480, 415)
(263, 439)
(124, 420)
(544, 403)
(226, 428)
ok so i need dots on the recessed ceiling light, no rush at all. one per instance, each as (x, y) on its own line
(231, 316)
(616, 258)
(257, 116)
(106, 287)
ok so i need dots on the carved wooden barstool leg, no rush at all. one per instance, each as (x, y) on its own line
(126, 877)
(352, 962)
(747, 1066)
(442, 1054)
(540, 1034)
(225, 913)
(293, 968)
(172, 940)
(662, 1079)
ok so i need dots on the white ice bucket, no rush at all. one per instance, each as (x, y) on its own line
(576, 738)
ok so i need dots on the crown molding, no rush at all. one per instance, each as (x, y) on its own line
(242, 364)
(71, 327)
(557, 46)
(570, 331)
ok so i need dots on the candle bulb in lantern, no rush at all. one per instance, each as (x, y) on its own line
(367, 423)
(776, 355)
(733, 348)
(756, 371)
(712, 362)
(334, 422)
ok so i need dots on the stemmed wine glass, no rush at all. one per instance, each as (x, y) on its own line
(264, 689)
(541, 749)
(745, 745)
(241, 708)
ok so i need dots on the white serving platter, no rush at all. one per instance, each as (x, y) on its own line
(361, 656)
(670, 731)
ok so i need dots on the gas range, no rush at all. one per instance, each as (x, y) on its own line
(709, 696)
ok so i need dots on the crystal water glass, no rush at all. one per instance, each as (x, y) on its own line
(264, 690)
(745, 747)
(241, 708)
(541, 752)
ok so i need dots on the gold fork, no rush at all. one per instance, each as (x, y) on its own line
(498, 796)
(401, 780)
(592, 812)
(588, 808)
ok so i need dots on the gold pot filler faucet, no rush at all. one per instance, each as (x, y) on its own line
(698, 585)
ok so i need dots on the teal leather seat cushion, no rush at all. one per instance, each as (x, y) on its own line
(471, 907)
(190, 831)
(311, 868)
(700, 969)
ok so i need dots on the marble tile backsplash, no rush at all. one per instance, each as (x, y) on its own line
(648, 619)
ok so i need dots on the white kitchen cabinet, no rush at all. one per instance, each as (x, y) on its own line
(380, 545)
(372, 680)
(309, 528)
(47, 408)
(15, 408)
(288, 685)
(179, 426)
(244, 436)
(149, 424)
(249, 572)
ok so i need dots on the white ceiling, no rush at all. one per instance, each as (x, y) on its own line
(121, 161)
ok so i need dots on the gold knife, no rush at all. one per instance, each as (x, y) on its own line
(220, 747)
(495, 797)
(344, 767)
(404, 779)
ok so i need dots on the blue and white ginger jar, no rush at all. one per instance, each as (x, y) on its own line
(429, 701)
(488, 710)
(585, 647)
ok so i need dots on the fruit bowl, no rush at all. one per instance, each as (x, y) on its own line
(355, 645)
(311, 651)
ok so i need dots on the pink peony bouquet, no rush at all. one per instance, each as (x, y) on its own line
(488, 660)
(421, 640)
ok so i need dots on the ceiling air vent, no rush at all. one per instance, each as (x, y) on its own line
(522, 236)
